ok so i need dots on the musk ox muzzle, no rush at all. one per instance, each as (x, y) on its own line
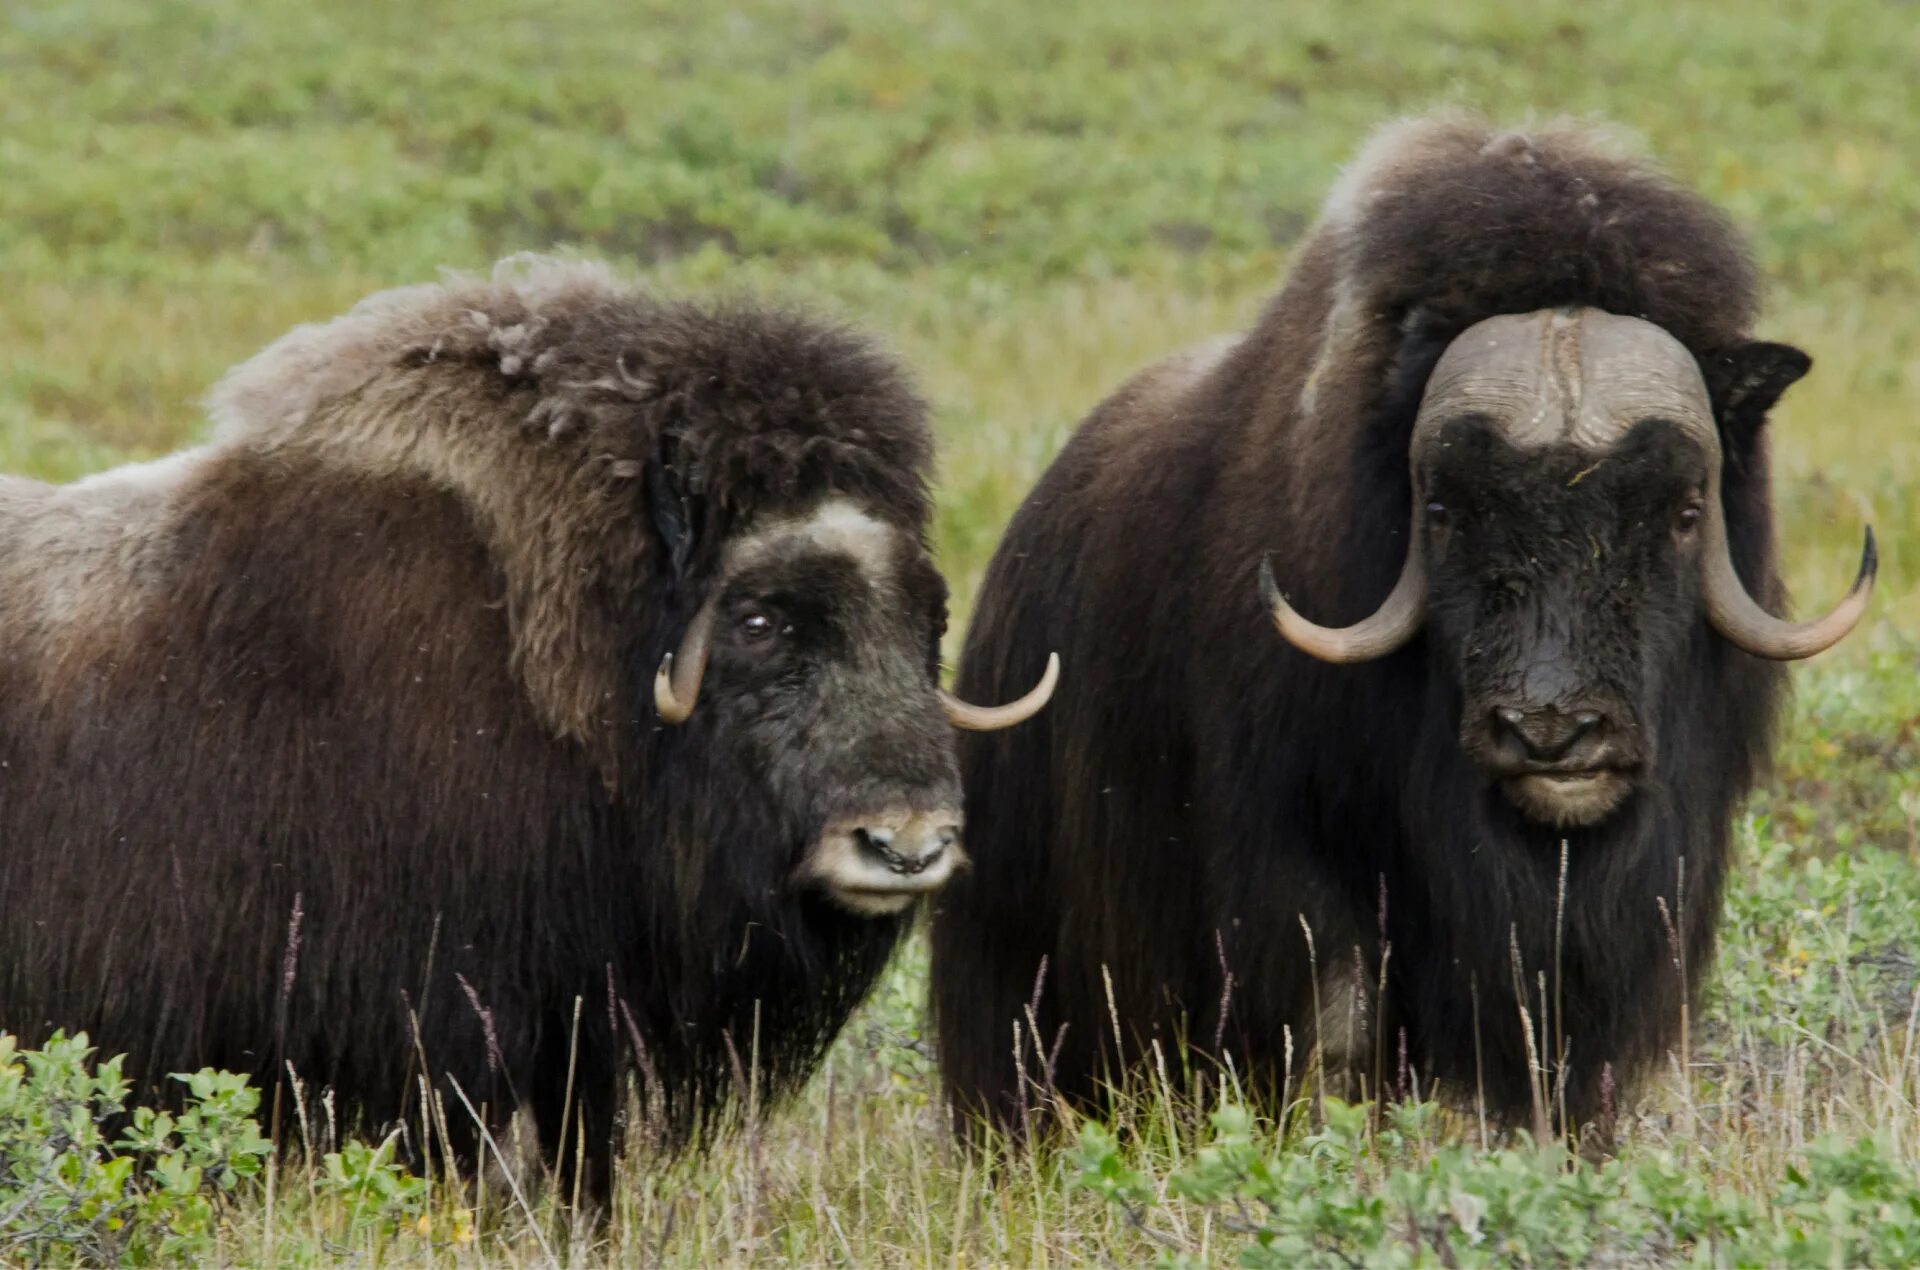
(879, 864)
(1552, 655)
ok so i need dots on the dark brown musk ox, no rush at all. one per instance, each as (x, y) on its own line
(336, 746)
(1514, 372)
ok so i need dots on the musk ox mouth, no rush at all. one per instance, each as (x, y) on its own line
(1568, 799)
(879, 865)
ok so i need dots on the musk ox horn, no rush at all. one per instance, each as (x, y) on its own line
(1395, 622)
(992, 718)
(1751, 628)
(676, 685)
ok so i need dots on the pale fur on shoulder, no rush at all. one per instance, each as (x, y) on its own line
(514, 319)
(77, 556)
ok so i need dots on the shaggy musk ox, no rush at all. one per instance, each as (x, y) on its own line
(1514, 372)
(337, 745)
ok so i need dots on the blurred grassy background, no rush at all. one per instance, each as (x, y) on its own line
(1028, 201)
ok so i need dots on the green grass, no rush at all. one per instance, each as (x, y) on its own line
(1030, 201)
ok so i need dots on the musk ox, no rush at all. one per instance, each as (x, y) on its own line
(1514, 372)
(337, 745)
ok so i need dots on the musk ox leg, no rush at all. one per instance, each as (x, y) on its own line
(578, 1137)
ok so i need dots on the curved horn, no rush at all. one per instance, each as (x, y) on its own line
(676, 685)
(1395, 622)
(992, 718)
(1748, 626)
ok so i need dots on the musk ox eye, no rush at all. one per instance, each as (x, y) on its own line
(1687, 519)
(756, 626)
(1437, 514)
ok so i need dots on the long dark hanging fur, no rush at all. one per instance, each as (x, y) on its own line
(1199, 791)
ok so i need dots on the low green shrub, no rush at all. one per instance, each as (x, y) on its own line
(83, 1179)
(1400, 1193)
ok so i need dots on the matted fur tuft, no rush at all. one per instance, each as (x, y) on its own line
(1146, 852)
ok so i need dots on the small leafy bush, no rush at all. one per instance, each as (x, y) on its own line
(1401, 1195)
(377, 1194)
(72, 1192)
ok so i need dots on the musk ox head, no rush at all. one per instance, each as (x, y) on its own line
(1568, 535)
(813, 665)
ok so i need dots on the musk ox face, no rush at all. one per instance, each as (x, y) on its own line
(815, 661)
(1563, 585)
(824, 671)
(1567, 537)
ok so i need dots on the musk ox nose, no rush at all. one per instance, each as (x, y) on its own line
(879, 862)
(1548, 735)
(909, 850)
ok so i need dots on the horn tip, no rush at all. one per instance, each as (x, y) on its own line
(1294, 629)
(994, 718)
(1869, 562)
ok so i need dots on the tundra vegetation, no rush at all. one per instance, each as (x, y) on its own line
(1030, 201)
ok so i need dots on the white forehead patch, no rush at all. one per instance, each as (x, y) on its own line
(838, 525)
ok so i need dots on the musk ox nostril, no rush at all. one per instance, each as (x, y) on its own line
(1546, 735)
(879, 843)
(947, 835)
(1584, 723)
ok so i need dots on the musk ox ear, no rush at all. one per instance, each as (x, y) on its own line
(1745, 382)
(671, 503)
